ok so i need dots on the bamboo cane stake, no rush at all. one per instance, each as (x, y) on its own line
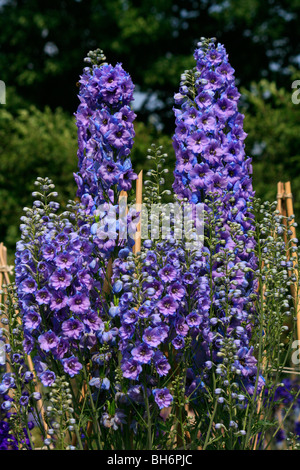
(295, 285)
(285, 208)
(280, 193)
(3, 275)
(282, 206)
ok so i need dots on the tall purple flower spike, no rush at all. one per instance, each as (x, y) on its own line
(105, 131)
(211, 165)
(61, 266)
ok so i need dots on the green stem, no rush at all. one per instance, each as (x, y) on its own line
(149, 422)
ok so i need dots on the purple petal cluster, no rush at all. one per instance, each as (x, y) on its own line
(15, 397)
(105, 132)
(61, 265)
(58, 279)
(161, 315)
(212, 168)
(197, 302)
(209, 135)
(104, 120)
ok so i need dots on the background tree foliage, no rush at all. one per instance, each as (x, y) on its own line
(33, 143)
(42, 49)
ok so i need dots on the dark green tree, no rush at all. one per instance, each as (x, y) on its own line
(43, 43)
(272, 121)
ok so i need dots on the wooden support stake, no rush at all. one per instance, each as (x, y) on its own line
(295, 286)
(285, 208)
(4, 279)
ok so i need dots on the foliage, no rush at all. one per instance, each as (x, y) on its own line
(154, 39)
(272, 123)
(33, 143)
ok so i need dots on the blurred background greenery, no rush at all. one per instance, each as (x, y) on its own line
(42, 46)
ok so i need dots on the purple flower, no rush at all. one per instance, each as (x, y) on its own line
(32, 320)
(202, 100)
(193, 319)
(202, 175)
(29, 285)
(142, 353)
(125, 180)
(215, 171)
(188, 278)
(48, 252)
(178, 342)
(47, 378)
(60, 279)
(131, 369)
(64, 260)
(58, 300)
(126, 331)
(72, 328)
(109, 172)
(130, 316)
(62, 238)
(168, 273)
(152, 336)
(118, 136)
(162, 397)
(42, 296)
(181, 326)
(197, 141)
(71, 366)
(105, 131)
(92, 321)
(24, 400)
(79, 303)
(167, 305)
(176, 290)
(62, 348)
(48, 341)
(85, 279)
(161, 363)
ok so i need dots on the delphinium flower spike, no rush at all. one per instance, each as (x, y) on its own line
(212, 168)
